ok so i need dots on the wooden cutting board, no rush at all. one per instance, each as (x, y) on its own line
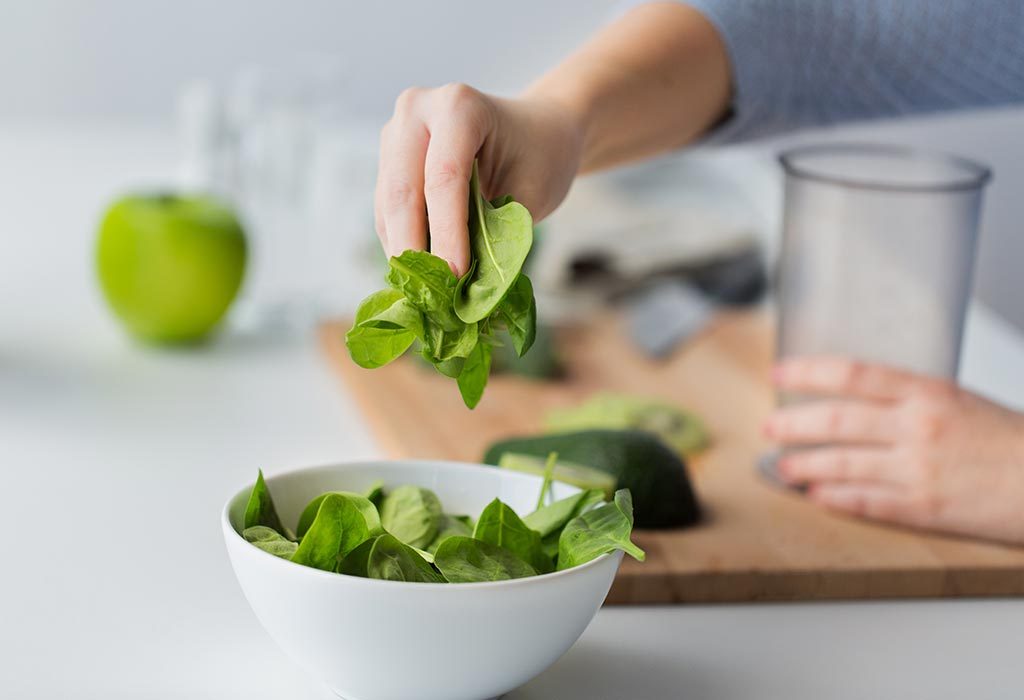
(757, 542)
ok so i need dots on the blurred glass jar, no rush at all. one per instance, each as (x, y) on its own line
(282, 145)
(877, 256)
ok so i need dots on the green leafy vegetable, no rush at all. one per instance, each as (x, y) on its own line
(392, 560)
(270, 541)
(363, 504)
(454, 320)
(599, 531)
(501, 526)
(553, 517)
(545, 486)
(473, 377)
(339, 527)
(519, 312)
(412, 514)
(372, 347)
(468, 560)
(412, 539)
(401, 315)
(500, 239)
(444, 345)
(355, 562)
(260, 509)
(449, 526)
(428, 284)
(375, 494)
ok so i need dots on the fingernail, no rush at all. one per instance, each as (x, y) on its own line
(778, 371)
(766, 428)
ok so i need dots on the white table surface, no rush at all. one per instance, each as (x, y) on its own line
(115, 461)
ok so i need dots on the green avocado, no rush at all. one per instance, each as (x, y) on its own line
(654, 474)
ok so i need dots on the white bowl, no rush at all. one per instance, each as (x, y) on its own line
(387, 640)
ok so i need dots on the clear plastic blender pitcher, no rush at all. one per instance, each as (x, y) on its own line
(877, 253)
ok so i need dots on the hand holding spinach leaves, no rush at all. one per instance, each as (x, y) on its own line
(452, 319)
(410, 538)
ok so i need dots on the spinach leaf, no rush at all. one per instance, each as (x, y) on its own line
(468, 560)
(375, 494)
(362, 504)
(553, 517)
(599, 531)
(355, 562)
(442, 344)
(339, 527)
(549, 545)
(429, 285)
(260, 508)
(412, 514)
(270, 541)
(500, 239)
(545, 485)
(473, 377)
(501, 526)
(401, 315)
(519, 312)
(449, 368)
(452, 318)
(373, 347)
(449, 526)
(392, 560)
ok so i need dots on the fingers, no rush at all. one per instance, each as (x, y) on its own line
(449, 164)
(859, 464)
(822, 422)
(398, 201)
(426, 160)
(875, 501)
(839, 376)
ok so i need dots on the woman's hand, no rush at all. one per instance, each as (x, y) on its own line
(529, 148)
(903, 448)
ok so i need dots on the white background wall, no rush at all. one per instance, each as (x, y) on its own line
(124, 60)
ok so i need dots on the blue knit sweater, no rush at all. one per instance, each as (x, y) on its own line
(814, 62)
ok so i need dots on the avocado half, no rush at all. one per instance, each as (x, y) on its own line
(656, 475)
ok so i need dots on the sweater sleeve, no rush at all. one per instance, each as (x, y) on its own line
(799, 63)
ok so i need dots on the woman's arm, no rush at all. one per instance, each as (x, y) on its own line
(663, 75)
(649, 83)
(654, 80)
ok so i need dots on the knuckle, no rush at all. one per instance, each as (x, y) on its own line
(459, 94)
(851, 374)
(398, 195)
(842, 464)
(443, 176)
(835, 421)
(929, 506)
(927, 424)
(406, 99)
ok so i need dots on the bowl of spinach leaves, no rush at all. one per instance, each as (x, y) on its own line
(424, 579)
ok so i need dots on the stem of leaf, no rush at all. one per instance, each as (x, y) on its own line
(549, 470)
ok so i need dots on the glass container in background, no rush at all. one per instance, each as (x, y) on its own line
(877, 255)
(282, 144)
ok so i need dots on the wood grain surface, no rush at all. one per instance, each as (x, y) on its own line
(757, 542)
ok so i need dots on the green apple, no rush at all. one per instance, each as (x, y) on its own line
(170, 265)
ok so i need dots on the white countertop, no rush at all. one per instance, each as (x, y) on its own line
(115, 462)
